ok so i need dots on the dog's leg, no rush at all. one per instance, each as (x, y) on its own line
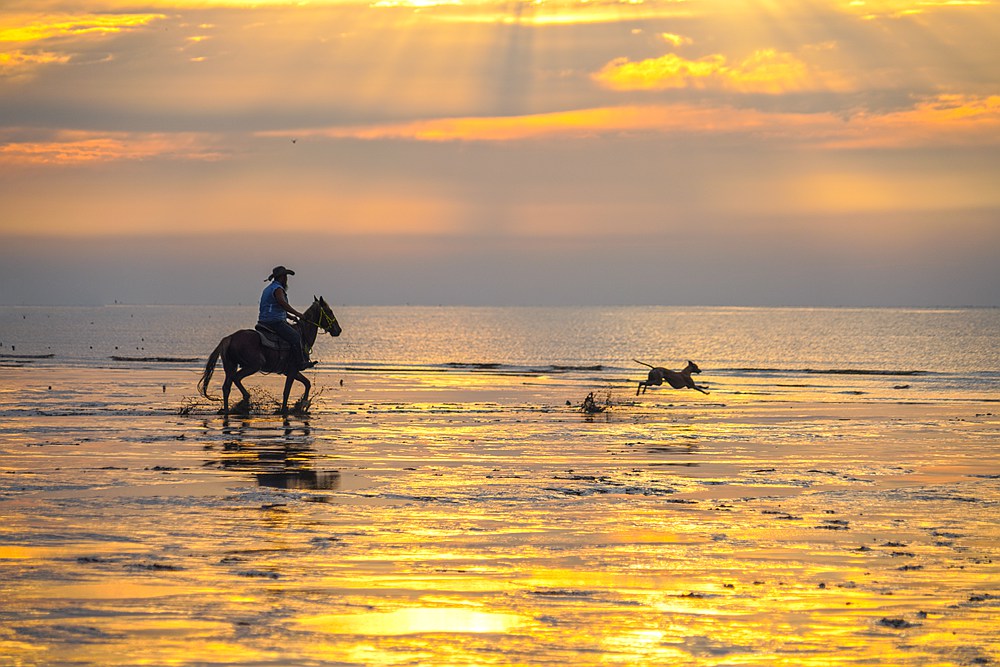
(690, 383)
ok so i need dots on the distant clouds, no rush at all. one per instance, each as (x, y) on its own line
(943, 120)
(875, 9)
(199, 81)
(77, 147)
(434, 149)
(18, 64)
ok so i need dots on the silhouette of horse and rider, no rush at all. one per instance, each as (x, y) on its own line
(273, 346)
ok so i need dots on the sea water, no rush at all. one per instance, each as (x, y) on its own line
(852, 349)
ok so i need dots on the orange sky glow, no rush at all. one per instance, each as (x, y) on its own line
(635, 121)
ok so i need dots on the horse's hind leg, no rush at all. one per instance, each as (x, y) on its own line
(238, 381)
(234, 375)
(227, 386)
(229, 367)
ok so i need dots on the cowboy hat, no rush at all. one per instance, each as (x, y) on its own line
(279, 271)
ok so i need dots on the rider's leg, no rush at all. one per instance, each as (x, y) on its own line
(292, 337)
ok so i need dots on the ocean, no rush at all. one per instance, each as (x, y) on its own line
(936, 352)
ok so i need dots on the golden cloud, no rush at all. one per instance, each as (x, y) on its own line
(68, 148)
(765, 71)
(953, 120)
(675, 40)
(875, 9)
(550, 12)
(34, 28)
(582, 123)
(17, 64)
(26, 31)
(946, 120)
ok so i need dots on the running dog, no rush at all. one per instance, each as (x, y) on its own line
(676, 379)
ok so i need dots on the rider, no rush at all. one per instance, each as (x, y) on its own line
(274, 311)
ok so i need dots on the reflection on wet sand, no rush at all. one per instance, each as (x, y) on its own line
(301, 479)
(279, 455)
(401, 531)
(413, 621)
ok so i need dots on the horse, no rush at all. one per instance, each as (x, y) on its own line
(243, 353)
(676, 379)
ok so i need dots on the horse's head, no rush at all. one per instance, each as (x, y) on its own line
(326, 321)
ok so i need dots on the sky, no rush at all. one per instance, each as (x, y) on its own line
(664, 152)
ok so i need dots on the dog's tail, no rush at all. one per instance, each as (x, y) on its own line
(643, 363)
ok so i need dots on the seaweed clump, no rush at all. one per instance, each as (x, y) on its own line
(591, 405)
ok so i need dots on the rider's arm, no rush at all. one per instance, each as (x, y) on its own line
(279, 296)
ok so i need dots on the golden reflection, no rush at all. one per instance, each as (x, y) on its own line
(648, 643)
(8, 552)
(508, 571)
(124, 589)
(415, 620)
(278, 454)
(30, 552)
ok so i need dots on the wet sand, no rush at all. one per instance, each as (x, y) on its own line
(474, 518)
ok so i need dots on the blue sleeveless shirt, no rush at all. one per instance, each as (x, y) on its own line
(270, 311)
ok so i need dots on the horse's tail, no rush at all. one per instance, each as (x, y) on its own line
(206, 377)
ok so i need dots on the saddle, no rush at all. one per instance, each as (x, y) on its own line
(270, 339)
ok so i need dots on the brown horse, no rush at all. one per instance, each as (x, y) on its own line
(243, 354)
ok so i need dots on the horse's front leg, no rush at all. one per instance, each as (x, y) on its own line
(289, 379)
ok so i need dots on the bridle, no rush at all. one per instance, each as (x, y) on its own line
(325, 321)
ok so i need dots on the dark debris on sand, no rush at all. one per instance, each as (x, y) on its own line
(591, 406)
